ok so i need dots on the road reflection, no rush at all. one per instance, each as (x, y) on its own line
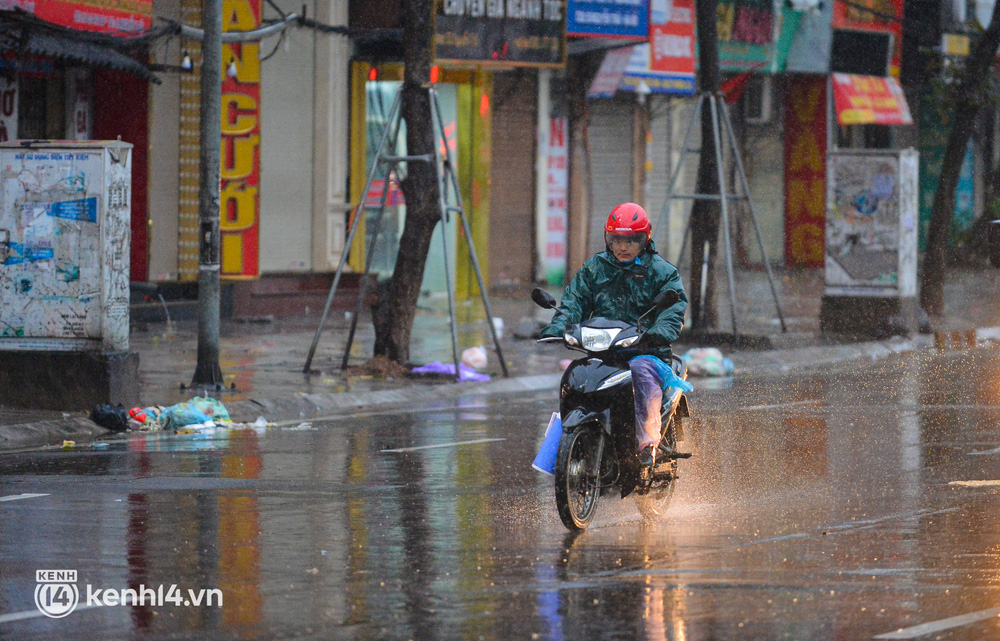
(815, 508)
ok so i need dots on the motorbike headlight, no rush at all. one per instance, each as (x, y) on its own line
(598, 340)
(570, 340)
(628, 341)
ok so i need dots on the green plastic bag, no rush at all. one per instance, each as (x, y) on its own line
(211, 407)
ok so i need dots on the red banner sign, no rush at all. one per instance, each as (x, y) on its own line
(120, 17)
(869, 100)
(672, 40)
(239, 198)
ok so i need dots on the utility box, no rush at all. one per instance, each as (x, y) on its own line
(65, 225)
(871, 243)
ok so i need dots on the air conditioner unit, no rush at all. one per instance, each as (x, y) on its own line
(757, 100)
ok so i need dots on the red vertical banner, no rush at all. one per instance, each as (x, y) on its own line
(805, 171)
(885, 16)
(671, 38)
(239, 196)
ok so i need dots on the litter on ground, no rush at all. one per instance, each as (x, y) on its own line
(466, 373)
(707, 361)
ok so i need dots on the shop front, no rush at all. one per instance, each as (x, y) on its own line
(79, 84)
(464, 98)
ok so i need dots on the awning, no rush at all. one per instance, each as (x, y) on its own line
(87, 53)
(80, 47)
(869, 100)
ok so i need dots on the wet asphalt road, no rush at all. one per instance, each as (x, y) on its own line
(820, 508)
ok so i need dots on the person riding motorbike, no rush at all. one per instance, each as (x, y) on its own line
(620, 283)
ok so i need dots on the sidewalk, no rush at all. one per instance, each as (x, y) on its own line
(264, 360)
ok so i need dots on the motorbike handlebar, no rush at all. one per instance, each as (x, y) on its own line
(550, 339)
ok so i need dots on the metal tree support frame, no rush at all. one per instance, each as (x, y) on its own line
(446, 179)
(718, 106)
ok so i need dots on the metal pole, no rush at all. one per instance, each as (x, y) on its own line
(208, 373)
(680, 165)
(470, 244)
(753, 216)
(370, 254)
(716, 140)
(355, 222)
(443, 206)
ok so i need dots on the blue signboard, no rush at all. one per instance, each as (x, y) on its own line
(658, 81)
(609, 18)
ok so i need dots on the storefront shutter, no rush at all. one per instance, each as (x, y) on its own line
(512, 194)
(611, 162)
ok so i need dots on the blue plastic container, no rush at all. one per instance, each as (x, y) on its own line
(545, 460)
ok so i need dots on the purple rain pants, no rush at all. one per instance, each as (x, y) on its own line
(648, 391)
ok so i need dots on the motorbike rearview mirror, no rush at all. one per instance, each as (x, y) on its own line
(662, 301)
(666, 299)
(542, 298)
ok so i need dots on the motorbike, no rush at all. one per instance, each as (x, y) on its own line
(597, 449)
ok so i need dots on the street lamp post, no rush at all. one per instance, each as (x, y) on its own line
(208, 373)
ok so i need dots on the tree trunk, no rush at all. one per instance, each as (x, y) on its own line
(396, 307)
(967, 107)
(705, 214)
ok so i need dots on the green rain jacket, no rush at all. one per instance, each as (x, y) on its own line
(604, 287)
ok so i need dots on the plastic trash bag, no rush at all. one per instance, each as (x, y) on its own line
(474, 357)
(112, 417)
(707, 361)
(465, 373)
(182, 415)
(666, 374)
(210, 407)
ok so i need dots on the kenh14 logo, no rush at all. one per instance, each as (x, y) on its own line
(56, 594)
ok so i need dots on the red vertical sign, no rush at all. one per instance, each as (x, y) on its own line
(239, 222)
(672, 40)
(805, 171)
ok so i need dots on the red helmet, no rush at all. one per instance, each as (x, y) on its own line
(628, 219)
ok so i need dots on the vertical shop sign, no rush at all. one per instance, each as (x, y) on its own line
(805, 171)
(558, 189)
(8, 108)
(671, 36)
(239, 198)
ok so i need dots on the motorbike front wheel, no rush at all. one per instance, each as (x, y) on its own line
(577, 484)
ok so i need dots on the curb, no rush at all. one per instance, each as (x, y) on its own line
(311, 406)
(306, 406)
(45, 433)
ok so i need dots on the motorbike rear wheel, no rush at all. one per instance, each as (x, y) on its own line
(655, 502)
(577, 487)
